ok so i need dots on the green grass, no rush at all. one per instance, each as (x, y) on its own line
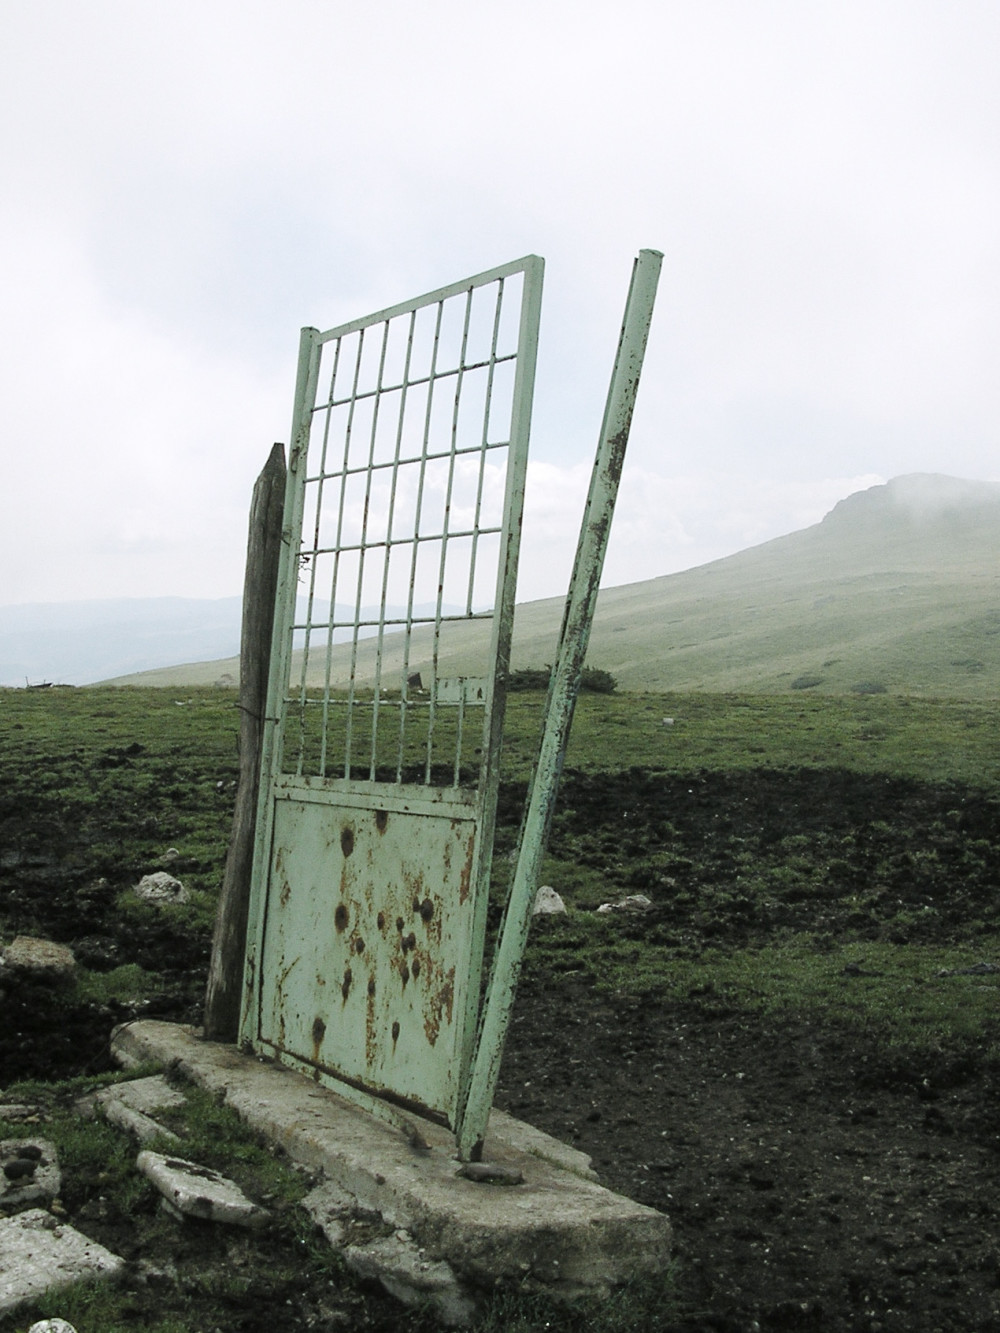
(935, 740)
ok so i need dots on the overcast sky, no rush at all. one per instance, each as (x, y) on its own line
(184, 185)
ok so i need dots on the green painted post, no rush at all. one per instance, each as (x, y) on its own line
(564, 687)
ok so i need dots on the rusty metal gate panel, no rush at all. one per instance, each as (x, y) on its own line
(379, 772)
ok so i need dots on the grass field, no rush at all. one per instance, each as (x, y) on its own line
(103, 781)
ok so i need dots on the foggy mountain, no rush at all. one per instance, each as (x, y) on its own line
(897, 588)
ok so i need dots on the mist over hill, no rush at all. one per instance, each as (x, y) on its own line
(897, 588)
(74, 643)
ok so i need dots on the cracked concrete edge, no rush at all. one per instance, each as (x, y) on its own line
(406, 1273)
(559, 1231)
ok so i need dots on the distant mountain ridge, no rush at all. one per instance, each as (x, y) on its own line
(897, 588)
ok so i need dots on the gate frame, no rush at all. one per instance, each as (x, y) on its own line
(271, 776)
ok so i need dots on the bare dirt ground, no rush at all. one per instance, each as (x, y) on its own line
(811, 1183)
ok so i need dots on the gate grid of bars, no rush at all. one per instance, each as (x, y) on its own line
(411, 464)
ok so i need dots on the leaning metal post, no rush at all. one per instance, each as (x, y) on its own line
(564, 686)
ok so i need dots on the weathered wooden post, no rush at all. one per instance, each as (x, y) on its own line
(225, 976)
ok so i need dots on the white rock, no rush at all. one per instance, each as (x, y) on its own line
(547, 902)
(635, 902)
(37, 1254)
(161, 888)
(52, 1326)
(198, 1191)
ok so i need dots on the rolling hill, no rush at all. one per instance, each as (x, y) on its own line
(898, 588)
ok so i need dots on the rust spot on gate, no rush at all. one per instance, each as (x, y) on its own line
(347, 840)
(341, 917)
(395, 1033)
(318, 1033)
(381, 820)
(346, 985)
(440, 1008)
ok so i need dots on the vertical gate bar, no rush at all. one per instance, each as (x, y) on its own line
(335, 571)
(446, 520)
(376, 406)
(323, 478)
(418, 510)
(484, 440)
(318, 482)
(565, 681)
(391, 516)
(349, 719)
(505, 589)
(277, 684)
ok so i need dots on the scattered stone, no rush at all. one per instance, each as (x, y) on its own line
(52, 1326)
(141, 1126)
(145, 1095)
(159, 887)
(19, 1112)
(130, 1106)
(976, 970)
(668, 721)
(492, 1173)
(198, 1191)
(404, 1270)
(635, 902)
(42, 960)
(29, 1172)
(547, 902)
(38, 1253)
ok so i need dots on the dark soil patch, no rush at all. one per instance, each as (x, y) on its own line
(804, 1192)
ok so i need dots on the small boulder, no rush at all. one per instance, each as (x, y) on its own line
(161, 888)
(547, 902)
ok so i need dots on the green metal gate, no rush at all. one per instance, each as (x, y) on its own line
(379, 773)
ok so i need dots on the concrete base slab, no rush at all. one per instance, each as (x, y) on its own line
(37, 1253)
(558, 1231)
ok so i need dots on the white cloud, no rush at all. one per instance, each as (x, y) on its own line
(186, 185)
